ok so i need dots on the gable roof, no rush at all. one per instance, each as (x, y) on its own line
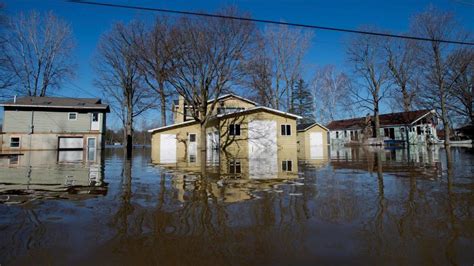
(57, 102)
(231, 95)
(392, 119)
(306, 126)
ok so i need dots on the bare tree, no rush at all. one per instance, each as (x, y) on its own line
(366, 55)
(331, 93)
(5, 76)
(462, 77)
(157, 54)
(38, 53)
(120, 78)
(209, 62)
(401, 60)
(277, 65)
(433, 57)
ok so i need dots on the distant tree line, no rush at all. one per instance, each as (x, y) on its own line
(143, 66)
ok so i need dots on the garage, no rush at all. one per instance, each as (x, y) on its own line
(168, 148)
(71, 143)
(262, 141)
(316, 145)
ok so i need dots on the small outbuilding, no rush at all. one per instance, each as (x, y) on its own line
(312, 141)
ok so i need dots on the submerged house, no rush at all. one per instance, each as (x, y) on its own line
(50, 123)
(415, 127)
(312, 141)
(242, 137)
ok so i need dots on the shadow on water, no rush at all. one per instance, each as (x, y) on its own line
(352, 205)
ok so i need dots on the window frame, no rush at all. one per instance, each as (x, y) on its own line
(195, 137)
(287, 166)
(69, 116)
(233, 129)
(285, 129)
(19, 142)
(234, 165)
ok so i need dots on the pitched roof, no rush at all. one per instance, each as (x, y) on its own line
(186, 123)
(56, 102)
(235, 96)
(306, 126)
(392, 119)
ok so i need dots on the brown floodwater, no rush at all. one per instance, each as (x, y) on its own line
(357, 206)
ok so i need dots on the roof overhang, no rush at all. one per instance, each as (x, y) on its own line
(260, 108)
(187, 123)
(421, 117)
(105, 108)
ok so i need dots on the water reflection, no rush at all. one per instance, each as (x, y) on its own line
(357, 205)
(37, 174)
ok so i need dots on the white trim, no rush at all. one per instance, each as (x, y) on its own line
(314, 124)
(286, 132)
(261, 107)
(53, 106)
(232, 95)
(430, 112)
(171, 126)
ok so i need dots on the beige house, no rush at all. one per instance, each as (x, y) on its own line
(49, 123)
(242, 139)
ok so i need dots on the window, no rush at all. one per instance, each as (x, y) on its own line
(14, 142)
(72, 116)
(192, 137)
(286, 130)
(234, 167)
(234, 130)
(345, 134)
(192, 158)
(14, 160)
(95, 117)
(337, 134)
(287, 166)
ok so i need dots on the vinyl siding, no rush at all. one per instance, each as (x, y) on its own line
(47, 122)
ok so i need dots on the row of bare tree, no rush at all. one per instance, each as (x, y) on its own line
(141, 66)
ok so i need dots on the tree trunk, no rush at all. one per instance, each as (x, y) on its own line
(129, 133)
(406, 99)
(203, 147)
(376, 120)
(163, 103)
(444, 118)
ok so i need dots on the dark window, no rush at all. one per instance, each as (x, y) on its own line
(15, 142)
(345, 134)
(234, 167)
(419, 131)
(72, 116)
(192, 158)
(385, 132)
(95, 117)
(337, 134)
(286, 130)
(286, 166)
(192, 137)
(234, 130)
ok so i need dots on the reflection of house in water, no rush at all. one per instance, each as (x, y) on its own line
(418, 127)
(417, 160)
(254, 139)
(74, 174)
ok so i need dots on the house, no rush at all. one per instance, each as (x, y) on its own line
(415, 127)
(50, 123)
(242, 137)
(312, 141)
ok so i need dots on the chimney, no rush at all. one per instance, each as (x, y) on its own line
(14, 99)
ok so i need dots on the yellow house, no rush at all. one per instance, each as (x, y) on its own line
(242, 139)
(312, 142)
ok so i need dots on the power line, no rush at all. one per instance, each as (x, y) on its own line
(270, 22)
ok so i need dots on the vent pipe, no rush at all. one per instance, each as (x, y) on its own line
(14, 99)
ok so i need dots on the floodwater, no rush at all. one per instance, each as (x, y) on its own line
(357, 206)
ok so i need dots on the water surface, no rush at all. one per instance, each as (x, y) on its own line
(358, 206)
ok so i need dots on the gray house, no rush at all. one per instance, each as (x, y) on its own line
(49, 123)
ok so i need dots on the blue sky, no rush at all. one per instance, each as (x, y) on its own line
(89, 22)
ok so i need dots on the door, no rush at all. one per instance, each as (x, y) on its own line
(95, 121)
(262, 142)
(168, 148)
(192, 148)
(316, 148)
(71, 143)
(91, 149)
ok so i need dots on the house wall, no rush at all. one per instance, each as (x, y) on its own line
(178, 114)
(45, 141)
(234, 147)
(304, 143)
(48, 122)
